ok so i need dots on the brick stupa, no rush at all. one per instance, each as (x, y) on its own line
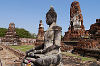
(76, 29)
(11, 37)
(40, 36)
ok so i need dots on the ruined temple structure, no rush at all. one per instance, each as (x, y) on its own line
(95, 30)
(76, 29)
(87, 44)
(40, 36)
(11, 37)
(90, 47)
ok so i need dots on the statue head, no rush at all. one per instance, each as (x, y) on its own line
(51, 16)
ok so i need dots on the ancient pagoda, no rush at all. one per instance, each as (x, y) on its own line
(76, 29)
(11, 37)
(40, 36)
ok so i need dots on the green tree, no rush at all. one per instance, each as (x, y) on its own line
(21, 32)
(3, 32)
(24, 33)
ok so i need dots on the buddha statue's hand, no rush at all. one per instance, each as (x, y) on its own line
(29, 51)
(38, 52)
(31, 54)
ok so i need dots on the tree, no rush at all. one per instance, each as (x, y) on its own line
(21, 32)
(3, 32)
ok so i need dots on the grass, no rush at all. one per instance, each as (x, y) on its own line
(23, 48)
(77, 56)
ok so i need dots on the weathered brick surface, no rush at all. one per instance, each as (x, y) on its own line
(20, 55)
(95, 30)
(65, 47)
(11, 37)
(15, 52)
(76, 28)
(87, 43)
(40, 36)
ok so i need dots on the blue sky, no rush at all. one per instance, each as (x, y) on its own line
(27, 13)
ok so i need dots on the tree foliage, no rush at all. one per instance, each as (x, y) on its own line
(21, 32)
(3, 32)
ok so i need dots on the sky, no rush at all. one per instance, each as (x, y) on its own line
(28, 13)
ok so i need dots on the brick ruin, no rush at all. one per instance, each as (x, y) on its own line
(90, 47)
(27, 41)
(11, 60)
(87, 43)
(94, 37)
(76, 29)
(86, 39)
(95, 31)
(11, 37)
(40, 36)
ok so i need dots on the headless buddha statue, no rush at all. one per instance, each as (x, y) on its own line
(47, 54)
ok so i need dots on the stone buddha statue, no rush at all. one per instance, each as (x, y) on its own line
(47, 54)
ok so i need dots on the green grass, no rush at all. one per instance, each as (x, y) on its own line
(23, 48)
(77, 56)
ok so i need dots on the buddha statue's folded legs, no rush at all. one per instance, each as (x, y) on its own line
(44, 61)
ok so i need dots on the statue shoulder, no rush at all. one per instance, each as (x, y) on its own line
(56, 28)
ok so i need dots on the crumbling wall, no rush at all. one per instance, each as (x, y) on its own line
(15, 52)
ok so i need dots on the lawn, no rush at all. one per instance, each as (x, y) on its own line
(78, 56)
(23, 48)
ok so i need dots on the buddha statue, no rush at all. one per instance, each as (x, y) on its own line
(47, 54)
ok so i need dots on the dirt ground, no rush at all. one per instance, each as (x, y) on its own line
(6, 56)
(72, 61)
